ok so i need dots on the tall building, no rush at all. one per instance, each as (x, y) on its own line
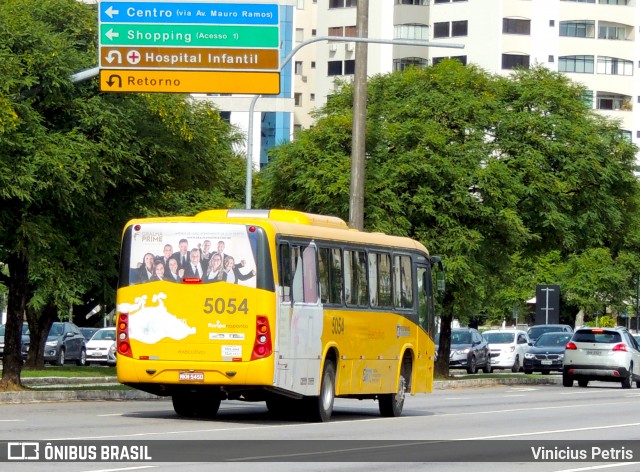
(592, 41)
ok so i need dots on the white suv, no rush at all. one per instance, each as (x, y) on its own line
(508, 347)
(606, 354)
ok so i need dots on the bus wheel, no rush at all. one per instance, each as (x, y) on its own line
(205, 406)
(281, 407)
(319, 408)
(391, 404)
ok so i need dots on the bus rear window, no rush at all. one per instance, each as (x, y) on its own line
(196, 253)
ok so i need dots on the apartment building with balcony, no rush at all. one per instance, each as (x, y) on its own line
(594, 42)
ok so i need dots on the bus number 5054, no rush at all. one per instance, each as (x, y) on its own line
(221, 305)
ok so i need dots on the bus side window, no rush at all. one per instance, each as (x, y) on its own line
(285, 271)
(323, 273)
(349, 280)
(310, 270)
(426, 308)
(384, 280)
(335, 278)
(402, 282)
(297, 287)
(373, 279)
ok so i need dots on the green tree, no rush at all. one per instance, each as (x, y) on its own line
(75, 165)
(477, 167)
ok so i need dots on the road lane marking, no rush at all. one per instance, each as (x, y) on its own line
(537, 433)
(8, 421)
(595, 467)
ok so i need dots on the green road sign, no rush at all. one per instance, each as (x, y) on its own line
(189, 35)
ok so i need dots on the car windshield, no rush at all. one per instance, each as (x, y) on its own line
(597, 336)
(25, 329)
(460, 337)
(552, 340)
(537, 331)
(56, 329)
(499, 338)
(105, 335)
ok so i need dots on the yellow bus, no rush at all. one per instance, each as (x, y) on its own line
(286, 307)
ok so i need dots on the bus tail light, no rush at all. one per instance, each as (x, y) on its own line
(262, 345)
(122, 335)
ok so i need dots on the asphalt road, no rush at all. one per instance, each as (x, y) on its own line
(500, 414)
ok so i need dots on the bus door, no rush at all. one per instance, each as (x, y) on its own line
(426, 319)
(300, 320)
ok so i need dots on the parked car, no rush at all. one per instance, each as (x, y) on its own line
(64, 343)
(24, 346)
(508, 347)
(606, 354)
(547, 353)
(88, 332)
(469, 350)
(535, 331)
(101, 348)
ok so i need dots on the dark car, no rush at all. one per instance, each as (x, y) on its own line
(535, 331)
(24, 347)
(65, 342)
(547, 353)
(88, 332)
(469, 350)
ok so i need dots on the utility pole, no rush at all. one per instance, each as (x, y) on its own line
(356, 193)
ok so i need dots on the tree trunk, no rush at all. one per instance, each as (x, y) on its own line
(18, 293)
(444, 347)
(39, 327)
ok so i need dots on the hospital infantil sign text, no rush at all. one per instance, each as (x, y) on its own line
(189, 47)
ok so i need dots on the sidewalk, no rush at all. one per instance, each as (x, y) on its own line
(67, 392)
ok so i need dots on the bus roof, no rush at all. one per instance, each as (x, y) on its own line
(297, 223)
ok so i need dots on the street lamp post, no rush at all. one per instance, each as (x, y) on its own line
(342, 39)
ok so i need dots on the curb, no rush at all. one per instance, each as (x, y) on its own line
(67, 395)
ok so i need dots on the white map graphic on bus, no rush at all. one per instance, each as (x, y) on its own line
(150, 324)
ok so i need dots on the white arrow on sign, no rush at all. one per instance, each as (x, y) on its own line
(112, 34)
(113, 55)
(110, 11)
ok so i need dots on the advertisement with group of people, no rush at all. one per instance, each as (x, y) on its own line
(195, 251)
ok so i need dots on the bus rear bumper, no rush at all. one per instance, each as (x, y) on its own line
(166, 377)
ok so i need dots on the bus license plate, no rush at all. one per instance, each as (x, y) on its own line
(191, 376)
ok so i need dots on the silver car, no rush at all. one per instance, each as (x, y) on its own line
(606, 354)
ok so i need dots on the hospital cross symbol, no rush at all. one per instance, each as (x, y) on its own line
(133, 57)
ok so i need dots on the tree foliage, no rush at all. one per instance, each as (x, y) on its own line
(76, 164)
(484, 170)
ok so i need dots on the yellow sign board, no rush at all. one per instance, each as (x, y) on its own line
(252, 83)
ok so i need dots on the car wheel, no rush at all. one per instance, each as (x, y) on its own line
(472, 367)
(61, 358)
(82, 360)
(626, 381)
(583, 383)
(487, 368)
(567, 380)
(516, 365)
